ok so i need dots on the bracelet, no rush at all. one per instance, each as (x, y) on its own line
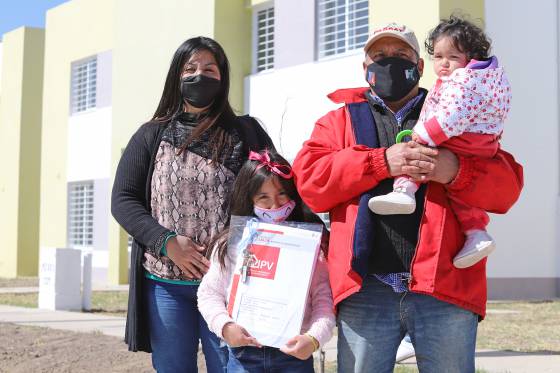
(401, 135)
(163, 251)
(314, 341)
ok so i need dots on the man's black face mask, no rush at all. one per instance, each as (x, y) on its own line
(392, 78)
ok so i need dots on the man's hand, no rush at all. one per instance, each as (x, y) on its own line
(410, 158)
(236, 336)
(300, 346)
(187, 255)
(445, 168)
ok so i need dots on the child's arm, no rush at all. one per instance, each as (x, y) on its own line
(212, 294)
(322, 316)
(212, 297)
(455, 113)
(493, 185)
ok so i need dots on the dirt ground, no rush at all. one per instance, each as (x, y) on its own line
(29, 349)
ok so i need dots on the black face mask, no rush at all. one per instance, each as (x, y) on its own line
(199, 90)
(392, 78)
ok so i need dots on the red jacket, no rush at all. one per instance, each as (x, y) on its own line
(332, 172)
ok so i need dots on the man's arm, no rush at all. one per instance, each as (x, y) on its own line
(329, 173)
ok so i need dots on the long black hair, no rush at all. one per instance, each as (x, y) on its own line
(465, 36)
(247, 184)
(220, 112)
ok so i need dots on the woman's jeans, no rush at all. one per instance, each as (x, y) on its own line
(372, 323)
(176, 327)
(265, 360)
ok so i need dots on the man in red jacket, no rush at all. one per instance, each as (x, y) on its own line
(393, 274)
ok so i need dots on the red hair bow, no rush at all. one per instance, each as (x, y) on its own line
(263, 158)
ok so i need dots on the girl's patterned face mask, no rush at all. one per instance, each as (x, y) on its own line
(275, 215)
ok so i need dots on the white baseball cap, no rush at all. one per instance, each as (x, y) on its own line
(394, 30)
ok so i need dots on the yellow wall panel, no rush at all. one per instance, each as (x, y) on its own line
(232, 29)
(10, 124)
(144, 47)
(30, 157)
(20, 146)
(74, 30)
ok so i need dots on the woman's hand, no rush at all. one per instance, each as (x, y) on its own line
(236, 336)
(188, 256)
(300, 346)
(410, 158)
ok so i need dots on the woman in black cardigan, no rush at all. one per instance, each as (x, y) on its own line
(171, 194)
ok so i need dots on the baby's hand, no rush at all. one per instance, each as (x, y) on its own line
(300, 346)
(416, 138)
(236, 336)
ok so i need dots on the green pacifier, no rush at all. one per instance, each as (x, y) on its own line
(402, 135)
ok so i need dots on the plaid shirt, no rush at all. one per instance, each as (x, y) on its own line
(399, 115)
(398, 281)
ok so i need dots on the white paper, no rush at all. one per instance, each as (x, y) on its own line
(270, 304)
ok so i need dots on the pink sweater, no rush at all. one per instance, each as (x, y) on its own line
(318, 320)
(474, 99)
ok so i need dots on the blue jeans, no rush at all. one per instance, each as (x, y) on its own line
(176, 327)
(372, 323)
(265, 360)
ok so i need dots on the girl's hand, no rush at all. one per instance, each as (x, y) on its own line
(188, 256)
(236, 336)
(300, 346)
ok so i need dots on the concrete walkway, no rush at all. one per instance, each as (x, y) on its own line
(489, 360)
(74, 321)
(494, 361)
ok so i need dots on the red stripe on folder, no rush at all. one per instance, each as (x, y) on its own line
(269, 231)
(233, 293)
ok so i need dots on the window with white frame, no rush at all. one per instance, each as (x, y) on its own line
(343, 25)
(264, 44)
(84, 85)
(80, 214)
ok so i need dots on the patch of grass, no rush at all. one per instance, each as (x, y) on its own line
(19, 299)
(405, 369)
(111, 302)
(533, 327)
(19, 282)
(108, 302)
(413, 369)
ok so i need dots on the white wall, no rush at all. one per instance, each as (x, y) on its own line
(294, 32)
(289, 101)
(526, 236)
(89, 145)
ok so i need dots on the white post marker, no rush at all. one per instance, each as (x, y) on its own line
(59, 279)
(86, 281)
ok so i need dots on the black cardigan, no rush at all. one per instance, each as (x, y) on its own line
(130, 206)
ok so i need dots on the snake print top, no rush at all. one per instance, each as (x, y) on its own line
(190, 193)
